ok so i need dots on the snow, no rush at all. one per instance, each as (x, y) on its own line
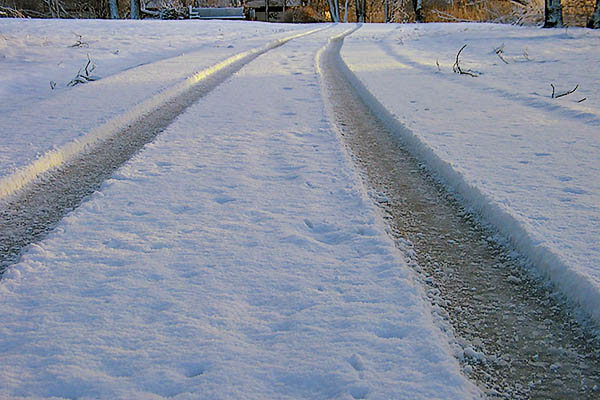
(527, 162)
(150, 62)
(236, 256)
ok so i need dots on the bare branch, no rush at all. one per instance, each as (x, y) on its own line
(11, 12)
(457, 69)
(449, 17)
(80, 42)
(562, 94)
(500, 53)
(83, 76)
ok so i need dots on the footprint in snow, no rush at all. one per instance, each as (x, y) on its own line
(194, 369)
(328, 234)
(359, 392)
(357, 362)
(574, 190)
(224, 199)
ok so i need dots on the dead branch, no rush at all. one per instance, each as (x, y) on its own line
(500, 53)
(83, 76)
(457, 69)
(562, 94)
(11, 12)
(80, 42)
(450, 17)
(519, 3)
(56, 7)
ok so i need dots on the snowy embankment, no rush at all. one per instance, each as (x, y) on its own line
(140, 65)
(235, 257)
(528, 162)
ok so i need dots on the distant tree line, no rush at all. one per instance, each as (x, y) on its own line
(334, 10)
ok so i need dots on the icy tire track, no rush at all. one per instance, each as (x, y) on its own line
(33, 200)
(519, 340)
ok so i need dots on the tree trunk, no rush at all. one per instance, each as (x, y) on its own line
(553, 14)
(418, 8)
(594, 21)
(113, 9)
(266, 10)
(135, 9)
(333, 10)
(360, 10)
(386, 11)
(346, 12)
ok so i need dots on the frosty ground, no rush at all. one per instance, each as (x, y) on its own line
(238, 255)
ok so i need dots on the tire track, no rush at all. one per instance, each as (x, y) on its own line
(519, 339)
(39, 196)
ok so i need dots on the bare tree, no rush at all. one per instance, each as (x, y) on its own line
(418, 8)
(334, 10)
(361, 10)
(56, 8)
(135, 9)
(553, 17)
(113, 9)
(594, 21)
(346, 11)
(386, 11)
(266, 10)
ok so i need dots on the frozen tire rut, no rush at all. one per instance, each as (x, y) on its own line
(27, 215)
(519, 339)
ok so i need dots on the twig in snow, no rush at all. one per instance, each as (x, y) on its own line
(80, 43)
(52, 85)
(83, 76)
(582, 100)
(457, 69)
(437, 62)
(499, 52)
(557, 95)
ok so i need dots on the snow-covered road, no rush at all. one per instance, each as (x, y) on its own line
(235, 257)
(238, 255)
